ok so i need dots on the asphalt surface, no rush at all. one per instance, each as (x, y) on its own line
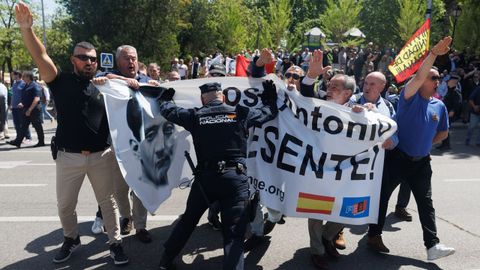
(31, 232)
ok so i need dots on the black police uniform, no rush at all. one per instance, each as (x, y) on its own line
(219, 133)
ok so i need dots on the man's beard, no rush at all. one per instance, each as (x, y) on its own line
(86, 74)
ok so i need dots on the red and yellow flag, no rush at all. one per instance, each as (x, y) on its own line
(311, 203)
(412, 54)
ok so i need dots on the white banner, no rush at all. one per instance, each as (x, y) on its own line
(317, 159)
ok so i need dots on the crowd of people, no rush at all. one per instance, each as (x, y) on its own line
(356, 78)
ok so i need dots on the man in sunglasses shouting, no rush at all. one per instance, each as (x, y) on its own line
(422, 121)
(81, 138)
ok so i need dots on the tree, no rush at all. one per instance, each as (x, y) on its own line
(412, 16)
(231, 25)
(279, 14)
(467, 32)
(150, 26)
(340, 16)
(379, 21)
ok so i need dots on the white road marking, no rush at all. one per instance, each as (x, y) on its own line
(463, 180)
(79, 218)
(23, 185)
(13, 164)
(19, 151)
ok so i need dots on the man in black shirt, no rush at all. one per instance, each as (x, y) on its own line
(81, 138)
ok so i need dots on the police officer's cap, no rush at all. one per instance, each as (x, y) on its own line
(218, 69)
(209, 87)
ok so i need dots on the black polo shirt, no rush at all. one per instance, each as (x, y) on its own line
(29, 92)
(81, 116)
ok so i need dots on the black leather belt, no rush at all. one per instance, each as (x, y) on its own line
(410, 158)
(83, 152)
(221, 165)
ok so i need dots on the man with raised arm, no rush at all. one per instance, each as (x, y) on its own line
(81, 138)
(422, 121)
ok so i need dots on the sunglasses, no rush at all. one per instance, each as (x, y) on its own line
(289, 75)
(435, 78)
(84, 58)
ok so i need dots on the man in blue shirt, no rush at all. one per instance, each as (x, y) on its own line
(17, 111)
(422, 121)
(30, 104)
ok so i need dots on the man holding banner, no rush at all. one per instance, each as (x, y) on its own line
(410, 160)
(219, 132)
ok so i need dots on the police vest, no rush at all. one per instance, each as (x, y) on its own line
(220, 133)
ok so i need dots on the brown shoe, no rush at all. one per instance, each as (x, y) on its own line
(320, 262)
(402, 214)
(330, 248)
(144, 236)
(375, 242)
(339, 241)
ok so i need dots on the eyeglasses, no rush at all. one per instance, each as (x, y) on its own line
(289, 75)
(84, 58)
(435, 78)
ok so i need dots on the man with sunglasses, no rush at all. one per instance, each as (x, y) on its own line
(418, 110)
(81, 138)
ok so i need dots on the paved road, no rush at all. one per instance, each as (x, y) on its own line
(30, 230)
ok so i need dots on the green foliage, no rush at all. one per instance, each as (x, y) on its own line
(279, 17)
(412, 16)
(467, 32)
(231, 29)
(150, 26)
(340, 16)
(379, 21)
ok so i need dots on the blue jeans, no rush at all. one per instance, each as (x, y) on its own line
(474, 120)
(45, 112)
(18, 116)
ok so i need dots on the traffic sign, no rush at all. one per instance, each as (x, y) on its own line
(106, 60)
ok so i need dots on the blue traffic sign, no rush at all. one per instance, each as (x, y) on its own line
(106, 60)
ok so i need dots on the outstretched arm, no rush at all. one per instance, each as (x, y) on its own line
(441, 48)
(46, 67)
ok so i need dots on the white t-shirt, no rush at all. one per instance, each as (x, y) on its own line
(182, 70)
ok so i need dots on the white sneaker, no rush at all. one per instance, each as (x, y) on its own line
(438, 251)
(97, 226)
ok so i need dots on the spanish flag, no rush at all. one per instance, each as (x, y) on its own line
(412, 54)
(311, 203)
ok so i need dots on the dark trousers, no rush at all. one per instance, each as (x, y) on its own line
(35, 119)
(230, 189)
(418, 175)
(18, 115)
(403, 195)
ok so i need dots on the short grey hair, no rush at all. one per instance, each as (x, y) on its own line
(124, 47)
(348, 82)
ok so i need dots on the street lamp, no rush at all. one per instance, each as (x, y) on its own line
(455, 13)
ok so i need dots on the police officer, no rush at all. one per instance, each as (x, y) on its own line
(219, 133)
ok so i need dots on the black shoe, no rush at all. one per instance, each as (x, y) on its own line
(402, 214)
(215, 223)
(253, 242)
(40, 144)
(14, 143)
(69, 245)
(282, 220)
(144, 236)
(125, 226)
(165, 263)
(268, 227)
(117, 254)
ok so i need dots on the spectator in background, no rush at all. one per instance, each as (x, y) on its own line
(17, 107)
(3, 108)
(44, 101)
(182, 70)
(195, 68)
(30, 103)
(153, 71)
(474, 102)
(142, 68)
(173, 76)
